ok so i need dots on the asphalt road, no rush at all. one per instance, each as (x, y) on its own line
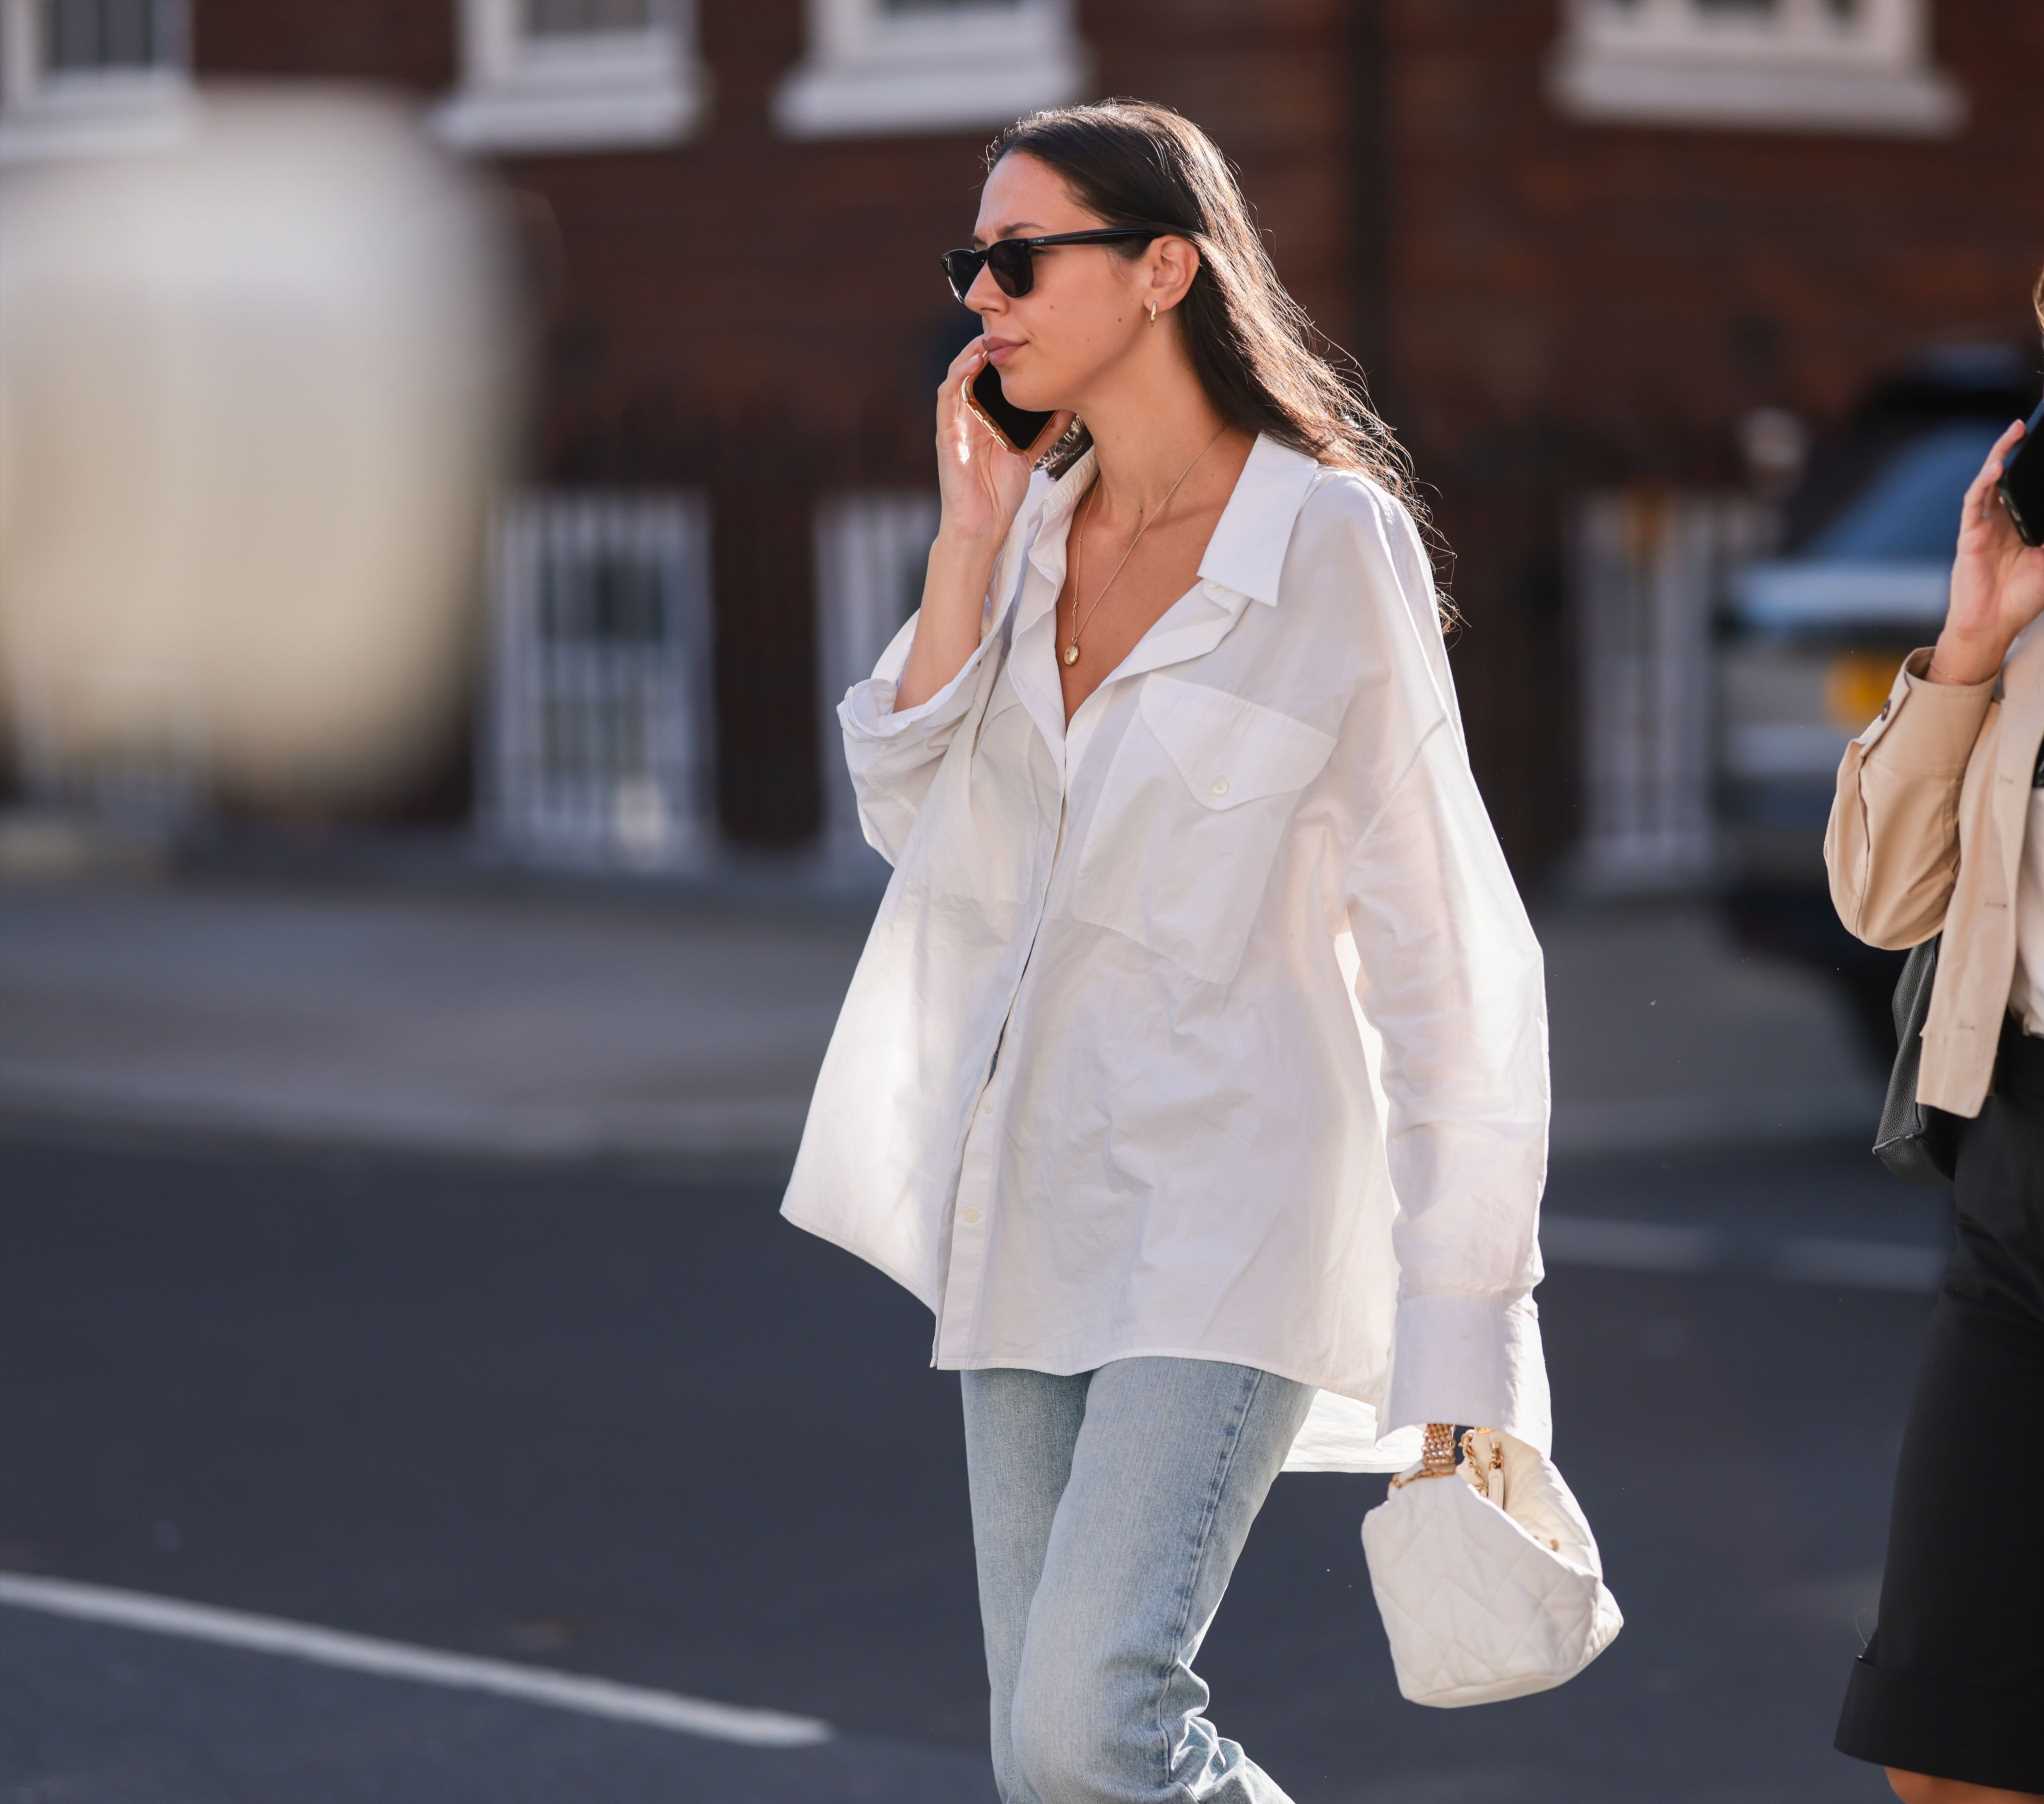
(604, 1422)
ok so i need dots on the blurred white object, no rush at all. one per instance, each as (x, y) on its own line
(255, 393)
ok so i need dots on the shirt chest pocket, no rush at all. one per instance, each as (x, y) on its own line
(1191, 819)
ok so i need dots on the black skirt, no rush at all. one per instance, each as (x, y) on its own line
(1952, 1682)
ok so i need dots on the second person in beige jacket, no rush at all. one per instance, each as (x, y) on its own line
(1938, 827)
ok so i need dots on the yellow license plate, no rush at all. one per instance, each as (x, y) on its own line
(1855, 686)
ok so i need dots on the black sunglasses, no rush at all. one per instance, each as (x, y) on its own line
(1011, 259)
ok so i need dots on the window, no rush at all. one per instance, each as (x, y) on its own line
(83, 75)
(885, 66)
(1814, 65)
(566, 75)
(568, 17)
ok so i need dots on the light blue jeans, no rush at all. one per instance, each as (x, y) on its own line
(1108, 1510)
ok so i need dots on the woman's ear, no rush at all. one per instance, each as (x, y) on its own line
(1171, 277)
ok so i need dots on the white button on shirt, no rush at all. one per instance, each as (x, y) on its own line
(1211, 1025)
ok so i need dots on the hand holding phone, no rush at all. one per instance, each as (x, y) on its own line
(986, 447)
(1998, 573)
(2020, 486)
(1021, 429)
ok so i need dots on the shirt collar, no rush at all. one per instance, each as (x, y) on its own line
(1247, 550)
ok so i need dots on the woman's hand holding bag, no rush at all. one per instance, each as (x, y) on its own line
(1489, 1584)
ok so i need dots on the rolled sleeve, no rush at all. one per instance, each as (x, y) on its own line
(868, 713)
(1927, 729)
(1450, 975)
(1891, 844)
(892, 754)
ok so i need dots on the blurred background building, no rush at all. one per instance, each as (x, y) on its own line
(1617, 268)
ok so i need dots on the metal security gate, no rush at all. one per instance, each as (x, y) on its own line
(597, 721)
(1648, 571)
(872, 549)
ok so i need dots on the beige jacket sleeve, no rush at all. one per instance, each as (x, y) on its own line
(1891, 846)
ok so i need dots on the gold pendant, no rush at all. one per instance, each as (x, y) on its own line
(1072, 652)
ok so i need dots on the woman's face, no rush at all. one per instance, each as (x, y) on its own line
(1085, 305)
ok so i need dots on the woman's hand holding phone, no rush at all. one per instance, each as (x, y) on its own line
(980, 481)
(981, 484)
(1997, 580)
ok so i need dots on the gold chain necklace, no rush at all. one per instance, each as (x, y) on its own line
(1071, 651)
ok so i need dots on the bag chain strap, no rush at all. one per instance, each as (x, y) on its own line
(1437, 1456)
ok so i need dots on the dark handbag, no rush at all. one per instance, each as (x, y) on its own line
(1915, 1140)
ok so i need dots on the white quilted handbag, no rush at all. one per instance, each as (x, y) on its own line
(1490, 1585)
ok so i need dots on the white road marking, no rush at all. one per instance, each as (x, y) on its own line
(1648, 1246)
(393, 1659)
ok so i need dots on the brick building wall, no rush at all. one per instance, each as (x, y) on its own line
(1644, 286)
(1545, 305)
(1578, 304)
(765, 314)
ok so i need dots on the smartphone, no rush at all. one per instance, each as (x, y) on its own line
(2021, 487)
(1017, 427)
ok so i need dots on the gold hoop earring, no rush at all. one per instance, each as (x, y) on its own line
(1153, 313)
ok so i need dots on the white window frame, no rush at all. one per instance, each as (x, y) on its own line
(1673, 62)
(872, 548)
(660, 811)
(871, 72)
(46, 112)
(599, 90)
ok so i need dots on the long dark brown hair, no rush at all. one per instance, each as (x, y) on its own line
(1127, 160)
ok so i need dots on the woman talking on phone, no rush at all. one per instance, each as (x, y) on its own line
(1938, 828)
(1194, 1074)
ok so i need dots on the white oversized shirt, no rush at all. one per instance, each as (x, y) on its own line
(1212, 1026)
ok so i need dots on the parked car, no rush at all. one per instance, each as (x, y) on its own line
(1807, 643)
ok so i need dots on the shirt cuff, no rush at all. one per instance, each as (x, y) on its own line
(868, 710)
(1473, 1360)
(1932, 725)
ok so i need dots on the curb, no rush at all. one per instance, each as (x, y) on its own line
(435, 862)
